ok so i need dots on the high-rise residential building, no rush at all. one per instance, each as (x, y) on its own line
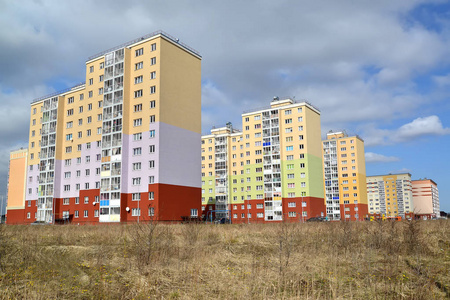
(123, 146)
(425, 196)
(344, 177)
(269, 171)
(390, 196)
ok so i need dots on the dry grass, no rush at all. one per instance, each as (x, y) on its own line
(400, 260)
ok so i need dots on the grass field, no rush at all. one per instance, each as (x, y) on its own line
(369, 260)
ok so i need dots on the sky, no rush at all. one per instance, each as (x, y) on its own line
(379, 69)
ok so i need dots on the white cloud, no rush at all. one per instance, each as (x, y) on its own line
(430, 125)
(426, 126)
(375, 158)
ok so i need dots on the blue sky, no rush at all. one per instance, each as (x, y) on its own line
(379, 69)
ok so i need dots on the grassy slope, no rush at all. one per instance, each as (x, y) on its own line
(400, 260)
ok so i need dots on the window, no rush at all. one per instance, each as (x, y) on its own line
(139, 65)
(137, 122)
(137, 136)
(151, 149)
(152, 89)
(152, 133)
(70, 112)
(289, 148)
(288, 112)
(288, 121)
(90, 94)
(139, 52)
(68, 137)
(66, 187)
(153, 61)
(151, 195)
(300, 119)
(137, 151)
(100, 103)
(290, 157)
(151, 164)
(135, 212)
(69, 100)
(151, 211)
(100, 91)
(91, 81)
(290, 166)
(288, 130)
(89, 119)
(67, 162)
(69, 124)
(300, 128)
(153, 75)
(291, 185)
(136, 196)
(138, 108)
(136, 181)
(66, 201)
(136, 166)
(69, 149)
(138, 79)
(85, 213)
(100, 78)
(194, 213)
(138, 94)
(77, 214)
(81, 97)
(152, 119)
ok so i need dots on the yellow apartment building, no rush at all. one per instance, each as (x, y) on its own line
(123, 142)
(269, 171)
(390, 196)
(344, 177)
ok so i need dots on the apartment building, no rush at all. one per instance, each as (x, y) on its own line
(425, 195)
(270, 171)
(122, 146)
(390, 196)
(344, 177)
